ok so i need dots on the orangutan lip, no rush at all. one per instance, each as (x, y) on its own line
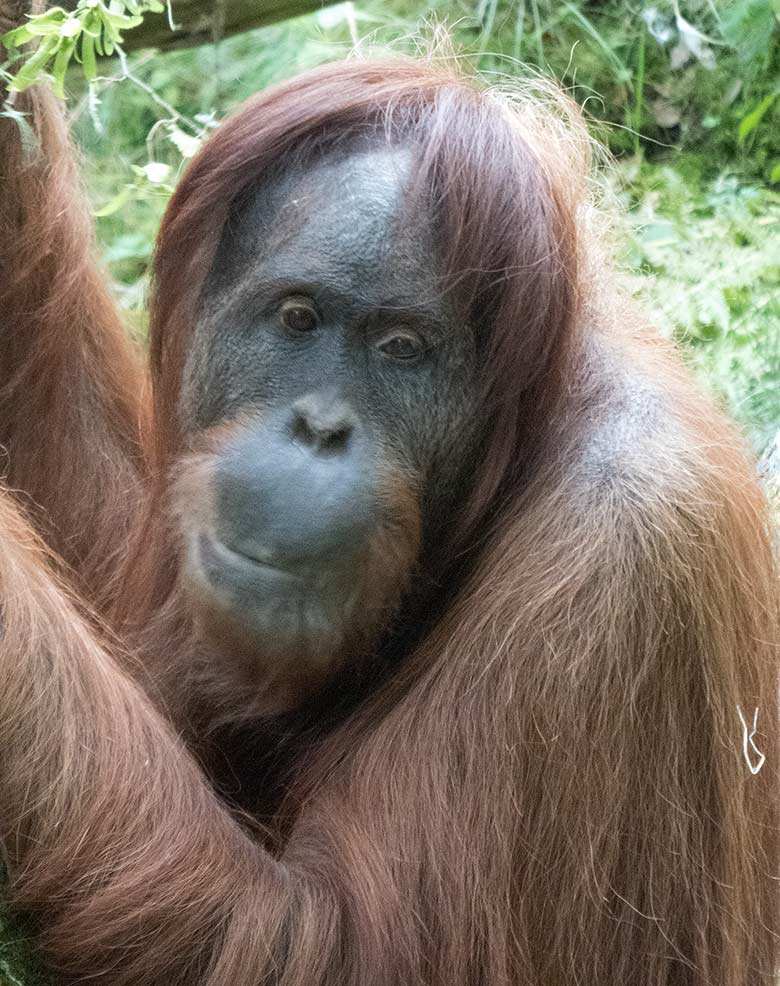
(215, 556)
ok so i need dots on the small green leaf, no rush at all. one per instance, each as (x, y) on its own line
(42, 27)
(88, 56)
(29, 72)
(61, 66)
(111, 33)
(775, 174)
(749, 123)
(18, 37)
(92, 23)
(54, 15)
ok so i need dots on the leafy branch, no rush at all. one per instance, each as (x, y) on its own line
(94, 28)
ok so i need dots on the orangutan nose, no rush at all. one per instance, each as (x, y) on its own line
(322, 424)
(297, 492)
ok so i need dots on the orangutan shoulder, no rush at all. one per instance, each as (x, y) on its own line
(649, 437)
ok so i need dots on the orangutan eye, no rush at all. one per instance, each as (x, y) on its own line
(298, 315)
(402, 346)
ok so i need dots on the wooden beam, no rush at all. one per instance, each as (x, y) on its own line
(198, 21)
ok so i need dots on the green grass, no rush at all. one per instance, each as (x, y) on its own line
(704, 256)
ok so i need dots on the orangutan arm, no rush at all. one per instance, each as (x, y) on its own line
(71, 389)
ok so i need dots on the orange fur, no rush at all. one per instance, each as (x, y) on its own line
(551, 789)
(72, 409)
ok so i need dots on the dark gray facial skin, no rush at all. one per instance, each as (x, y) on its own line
(341, 382)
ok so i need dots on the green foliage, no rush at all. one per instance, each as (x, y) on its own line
(749, 122)
(56, 36)
(705, 259)
(704, 75)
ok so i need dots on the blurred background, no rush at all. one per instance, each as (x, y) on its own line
(685, 95)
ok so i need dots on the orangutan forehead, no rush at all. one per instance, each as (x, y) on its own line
(365, 183)
(345, 216)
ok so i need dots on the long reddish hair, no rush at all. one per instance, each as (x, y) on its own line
(73, 407)
(553, 787)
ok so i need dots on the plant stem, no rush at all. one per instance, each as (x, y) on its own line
(640, 87)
